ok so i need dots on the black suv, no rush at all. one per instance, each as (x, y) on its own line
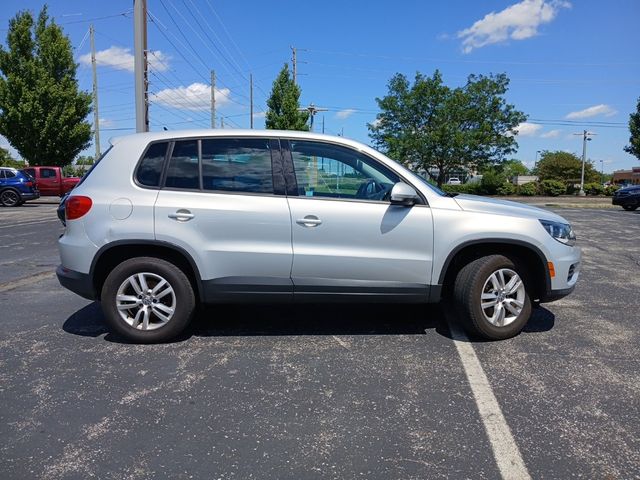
(627, 197)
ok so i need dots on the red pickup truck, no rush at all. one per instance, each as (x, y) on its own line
(50, 180)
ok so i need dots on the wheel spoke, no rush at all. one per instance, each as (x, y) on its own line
(499, 315)
(163, 312)
(495, 283)
(167, 290)
(133, 281)
(157, 288)
(143, 282)
(145, 322)
(513, 285)
(138, 318)
(512, 307)
(501, 278)
(489, 304)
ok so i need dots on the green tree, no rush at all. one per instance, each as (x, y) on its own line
(512, 168)
(284, 103)
(634, 128)
(6, 160)
(433, 127)
(42, 112)
(565, 167)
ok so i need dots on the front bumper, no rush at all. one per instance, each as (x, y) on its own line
(79, 283)
(628, 200)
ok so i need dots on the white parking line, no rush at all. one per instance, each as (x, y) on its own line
(22, 282)
(35, 222)
(505, 449)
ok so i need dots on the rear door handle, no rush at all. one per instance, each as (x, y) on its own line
(182, 215)
(309, 221)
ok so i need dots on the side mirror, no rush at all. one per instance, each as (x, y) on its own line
(403, 194)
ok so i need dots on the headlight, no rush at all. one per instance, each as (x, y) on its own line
(562, 232)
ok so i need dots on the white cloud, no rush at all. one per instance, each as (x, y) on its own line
(342, 114)
(196, 96)
(376, 123)
(526, 129)
(551, 134)
(121, 58)
(259, 114)
(594, 111)
(517, 22)
(107, 123)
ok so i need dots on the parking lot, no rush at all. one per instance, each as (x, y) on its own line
(318, 392)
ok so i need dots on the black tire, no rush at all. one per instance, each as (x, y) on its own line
(468, 290)
(182, 299)
(629, 208)
(10, 197)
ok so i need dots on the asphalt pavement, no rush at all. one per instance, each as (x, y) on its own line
(329, 391)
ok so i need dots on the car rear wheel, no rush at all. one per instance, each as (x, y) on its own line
(492, 297)
(629, 207)
(9, 198)
(147, 300)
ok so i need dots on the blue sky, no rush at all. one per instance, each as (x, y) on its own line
(571, 63)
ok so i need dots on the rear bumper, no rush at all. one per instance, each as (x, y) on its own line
(78, 283)
(29, 196)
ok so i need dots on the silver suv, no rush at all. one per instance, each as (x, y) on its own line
(167, 220)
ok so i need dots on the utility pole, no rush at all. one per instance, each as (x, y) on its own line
(96, 115)
(140, 64)
(221, 122)
(585, 138)
(312, 109)
(294, 61)
(213, 99)
(251, 97)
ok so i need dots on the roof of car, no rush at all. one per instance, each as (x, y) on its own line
(173, 134)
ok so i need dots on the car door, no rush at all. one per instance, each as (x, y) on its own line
(224, 204)
(49, 183)
(347, 237)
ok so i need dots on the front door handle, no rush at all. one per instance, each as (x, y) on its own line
(309, 221)
(182, 215)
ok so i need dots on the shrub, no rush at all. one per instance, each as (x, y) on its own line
(593, 189)
(611, 189)
(470, 188)
(506, 189)
(491, 182)
(528, 189)
(553, 188)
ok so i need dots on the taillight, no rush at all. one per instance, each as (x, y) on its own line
(29, 184)
(77, 206)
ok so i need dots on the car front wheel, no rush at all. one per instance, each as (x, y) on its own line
(630, 207)
(147, 300)
(492, 298)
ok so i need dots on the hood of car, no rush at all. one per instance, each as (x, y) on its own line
(474, 203)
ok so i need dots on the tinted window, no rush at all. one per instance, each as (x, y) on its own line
(150, 168)
(30, 171)
(183, 170)
(47, 173)
(1, 173)
(325, 170)
(237, 165)
(9, 173)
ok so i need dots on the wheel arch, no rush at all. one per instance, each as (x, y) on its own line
(525, 253)
(116, 252)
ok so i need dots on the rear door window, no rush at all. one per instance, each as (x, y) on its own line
(237, 165)
(184, 169)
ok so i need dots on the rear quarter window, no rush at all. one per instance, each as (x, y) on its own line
(149, 170)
